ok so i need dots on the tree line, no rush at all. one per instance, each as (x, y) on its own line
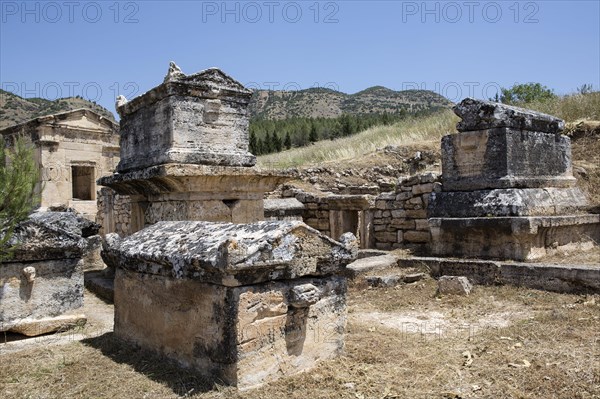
(268, 136)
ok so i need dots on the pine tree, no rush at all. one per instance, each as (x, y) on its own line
(252, 145)
(277, 144)
(19, 176)
(313, 136)
(269, 145)
(287, 142)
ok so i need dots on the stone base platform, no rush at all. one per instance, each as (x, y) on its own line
(575, 279)
(174, 192)
(508, 202)
(517, 238)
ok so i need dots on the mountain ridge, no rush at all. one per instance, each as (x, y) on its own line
(317, 102)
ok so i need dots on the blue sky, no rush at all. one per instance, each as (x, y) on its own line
(456, 48)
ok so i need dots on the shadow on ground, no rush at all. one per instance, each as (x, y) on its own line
(164, 371)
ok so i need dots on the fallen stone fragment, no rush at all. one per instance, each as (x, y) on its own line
(454, 285)
(34, 327)
(414, 277)
(383, 281)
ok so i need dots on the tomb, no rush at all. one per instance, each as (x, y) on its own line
(72, 150)
(184, 153)
(508, 190)
(41, 285)
(200, 277)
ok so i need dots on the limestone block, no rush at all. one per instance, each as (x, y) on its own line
(284, 207)
(196, 119)
(319, 224)
(416, 236)
(57, 287)
(508, 202)
(429, 177)
(454, 285)
(398, 213)
(517, 238)
(229, 254)
(417, 213)
(404, 196)
(421, 224)
(422, 188)
(34, 327)
(406, 224)
(415, 200)
(385, 236)
(242, 336)
(505, 158)
(481, 115)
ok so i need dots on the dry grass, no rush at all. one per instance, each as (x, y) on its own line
(427, 357)
(426, 131)
(571, 107)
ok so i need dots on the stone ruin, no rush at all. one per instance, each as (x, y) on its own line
(184, 153)
(41, 286)
(200, 278)
(508, 190)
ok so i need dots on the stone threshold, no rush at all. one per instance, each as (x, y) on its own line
(572, 279)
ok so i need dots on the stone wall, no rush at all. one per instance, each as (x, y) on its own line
(392, 220)
(316, 208)
(400, 216)
(114, 212)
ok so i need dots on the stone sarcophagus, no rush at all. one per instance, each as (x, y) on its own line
(44, 278)
(508, 188)
(197, 119)
(184, 153)
(241, 304)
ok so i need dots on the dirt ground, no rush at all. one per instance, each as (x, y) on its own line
(402, 342)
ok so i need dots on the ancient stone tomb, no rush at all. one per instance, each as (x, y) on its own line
(43, 281)
(241, 304)
(200, 278)
(184, 153)
(508, 189)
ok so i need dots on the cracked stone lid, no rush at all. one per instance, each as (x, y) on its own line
(230, 254)
(482, 115)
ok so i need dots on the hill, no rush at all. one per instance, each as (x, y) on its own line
(15, 109)
(327, 103)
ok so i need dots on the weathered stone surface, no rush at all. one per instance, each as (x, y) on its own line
(45, 276)
(413, 277)
(57, 287)
(416, 236)
(507, 187)
(481, 115)
(34, 327)
(229, 254)
(242, 336)
(365, 265)
(196, 119)
(49, 235)
(507, 202)
(68, 221)
(505, 158)
(454, 285)
(283, 209)
(383, 281)
(518, 238)
(194, 192)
